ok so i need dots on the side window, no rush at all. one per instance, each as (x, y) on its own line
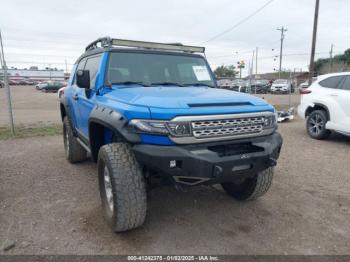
(79, 67)
(346, 84)
(92, 64)
(331, 82)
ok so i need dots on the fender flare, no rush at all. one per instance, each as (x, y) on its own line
(64, 104)
(112, 120)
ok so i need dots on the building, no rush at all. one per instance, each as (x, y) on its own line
(34, 74)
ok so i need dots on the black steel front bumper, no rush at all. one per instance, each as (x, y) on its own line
(211, 163)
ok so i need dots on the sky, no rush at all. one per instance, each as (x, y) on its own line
(53, 33)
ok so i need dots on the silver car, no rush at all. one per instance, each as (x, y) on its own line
(281, 86)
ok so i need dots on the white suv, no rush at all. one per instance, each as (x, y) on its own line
(326, 105)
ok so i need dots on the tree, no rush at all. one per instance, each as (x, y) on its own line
(225, 71)
(340, 63)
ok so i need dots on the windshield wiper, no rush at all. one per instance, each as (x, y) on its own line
(166, 84)
(199, 84)
(130, 83)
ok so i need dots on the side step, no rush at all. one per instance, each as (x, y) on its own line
(83, 145)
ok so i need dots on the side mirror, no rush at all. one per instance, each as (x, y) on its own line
(83, 79)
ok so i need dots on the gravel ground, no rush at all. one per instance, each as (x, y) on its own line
(49, 206)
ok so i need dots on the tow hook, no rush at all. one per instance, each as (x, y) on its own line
(217, 171)
(272, 162)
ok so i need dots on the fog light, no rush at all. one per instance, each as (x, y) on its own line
(172, 163)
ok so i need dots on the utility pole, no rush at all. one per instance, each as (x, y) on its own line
(50, 71)
(331, 59)
(313, 46)
(256, 61)
(8, 92)
(65, 61)
(251, 66)
(282, 29)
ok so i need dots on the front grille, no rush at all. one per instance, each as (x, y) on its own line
(227, 127)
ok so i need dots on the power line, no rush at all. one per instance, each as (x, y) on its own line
(272, 56)
(237, 53)
(238, 23)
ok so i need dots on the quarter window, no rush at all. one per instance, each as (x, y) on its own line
(332, 82)
(346, 83)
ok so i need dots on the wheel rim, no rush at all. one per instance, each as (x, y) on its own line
(316, 124)
(108, 189)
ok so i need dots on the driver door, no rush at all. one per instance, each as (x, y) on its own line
(86, 100)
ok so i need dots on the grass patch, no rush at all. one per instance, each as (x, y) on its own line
(21, 132)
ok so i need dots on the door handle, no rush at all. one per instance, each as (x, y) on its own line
(334, 95)
(76, 97)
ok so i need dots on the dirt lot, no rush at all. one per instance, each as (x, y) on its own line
(51, 207)
(32, 107)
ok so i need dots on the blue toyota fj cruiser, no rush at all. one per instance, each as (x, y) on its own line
(146, 110)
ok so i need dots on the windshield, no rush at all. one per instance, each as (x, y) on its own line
(281, 81)
(158, 69)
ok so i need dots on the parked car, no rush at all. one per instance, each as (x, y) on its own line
(238, 85)
(155, 111)
(25, 82)
(326, 105)
(52, 86)
(260, 86)
(13, 82)
(29, 82)
(282, 86)
(2, 84)
(39, 86)
(303, 85)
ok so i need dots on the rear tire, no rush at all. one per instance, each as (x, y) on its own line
(74, 151)
(251, 188)
(122, 187)
(316, 125)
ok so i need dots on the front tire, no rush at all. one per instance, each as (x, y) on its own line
(74, 151)
(251, 188)
(316, 125)
(122, 187)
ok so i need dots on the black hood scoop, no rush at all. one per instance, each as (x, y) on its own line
(220, 104)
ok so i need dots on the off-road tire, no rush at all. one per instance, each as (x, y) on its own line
(74, 151)
(129, 202)
(251, 188)
(317, 132)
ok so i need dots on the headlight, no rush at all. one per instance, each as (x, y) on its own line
(161, 127)
(270, 121)
(146, 126)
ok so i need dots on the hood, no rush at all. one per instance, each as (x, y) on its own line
(182, 97)
(279, 85)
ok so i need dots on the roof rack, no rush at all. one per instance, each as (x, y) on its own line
(104, 42)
